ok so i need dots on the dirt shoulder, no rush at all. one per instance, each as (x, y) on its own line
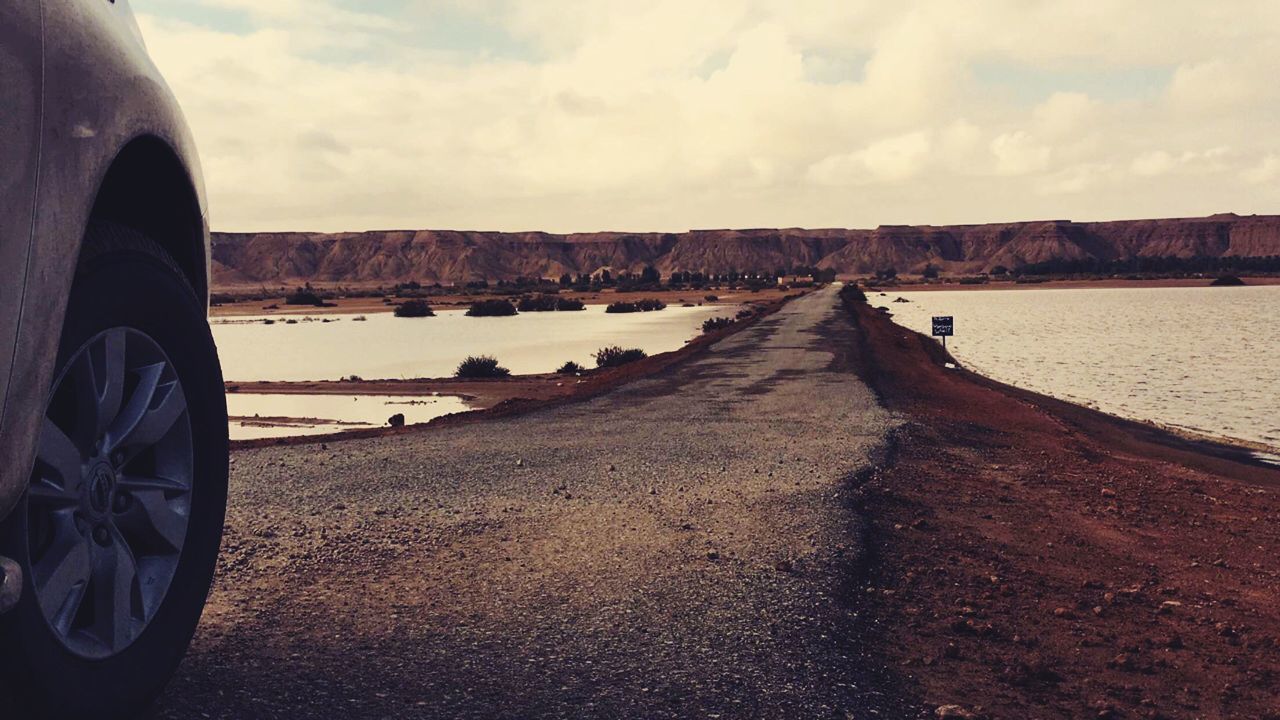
(1041, 560)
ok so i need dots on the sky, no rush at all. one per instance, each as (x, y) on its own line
(564, 116)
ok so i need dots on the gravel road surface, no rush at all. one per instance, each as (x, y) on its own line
(681, 547)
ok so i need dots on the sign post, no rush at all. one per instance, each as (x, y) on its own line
(943, 327)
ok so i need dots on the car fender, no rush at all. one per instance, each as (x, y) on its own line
(104, 93)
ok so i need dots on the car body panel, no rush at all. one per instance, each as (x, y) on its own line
(21, 77)
(107, 95)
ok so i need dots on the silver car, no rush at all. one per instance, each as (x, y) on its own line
(113, 434)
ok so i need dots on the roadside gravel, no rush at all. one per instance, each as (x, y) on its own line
(680, 547)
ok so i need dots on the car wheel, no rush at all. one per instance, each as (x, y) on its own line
(119, 530)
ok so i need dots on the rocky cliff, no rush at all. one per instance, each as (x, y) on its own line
(241, 259)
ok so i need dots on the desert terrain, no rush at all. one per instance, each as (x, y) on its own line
(812, 516)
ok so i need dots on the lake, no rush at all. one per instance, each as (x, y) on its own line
(1201, 359)
(322, 414)
(387, 347)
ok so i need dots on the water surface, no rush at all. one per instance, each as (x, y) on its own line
(1204, 359)
(323, 414)
(385, 347)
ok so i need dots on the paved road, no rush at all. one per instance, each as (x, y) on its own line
(680, 547)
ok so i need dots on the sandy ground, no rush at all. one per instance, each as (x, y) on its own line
(682, 546)
(1040, 560)
(276, 306)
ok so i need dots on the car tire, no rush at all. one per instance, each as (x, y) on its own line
(125, 284)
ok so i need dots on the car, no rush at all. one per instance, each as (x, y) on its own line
(113, 428)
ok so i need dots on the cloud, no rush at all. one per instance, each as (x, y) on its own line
(892, 160)
(666, 115)
(1019, 153)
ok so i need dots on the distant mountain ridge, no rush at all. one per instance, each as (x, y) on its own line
(452, 256)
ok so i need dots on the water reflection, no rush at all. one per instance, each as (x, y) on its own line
(384, 346)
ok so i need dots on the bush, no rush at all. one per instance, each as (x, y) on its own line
(852, 293)
(1227, 281)
(537, 303)
(570, 368)
(616, 356)
(492, 308)
(716, 323)
(481, 366)
(569, 304)
(645, 305)
(305, 296)
(711, 298)
(413, 309)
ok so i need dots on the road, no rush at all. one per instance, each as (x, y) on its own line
(683, 546)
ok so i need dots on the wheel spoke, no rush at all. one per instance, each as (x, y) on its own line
(114, 575)
(151, 523)
(61, 458)
(100, 373)
(140, 483)
(150, 413)
(62, 576)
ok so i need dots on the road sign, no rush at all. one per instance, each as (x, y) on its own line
(943, 326)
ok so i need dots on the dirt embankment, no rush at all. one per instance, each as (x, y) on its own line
(1041, 560)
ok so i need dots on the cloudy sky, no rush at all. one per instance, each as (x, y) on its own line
(668, 115)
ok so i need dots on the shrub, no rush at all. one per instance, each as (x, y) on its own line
(537, 303)
(930, 272)
(570, 368)
(305, 296)
(1227, 281)
(645, 305)
(492, 308)
(569, 304)
(615, 356)
(716, 323)
(711, 298)
(745, 313)
(413, 309)
(852, 293)
(481, 366)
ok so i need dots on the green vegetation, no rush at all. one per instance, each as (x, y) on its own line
(306, 296)
(645, 305)
(570, 368)
(716, 323)
(537, 303)
(414, 309)
(548, 303)
(492, 308)
(1227, 281)
(481, 366)
(615, 356)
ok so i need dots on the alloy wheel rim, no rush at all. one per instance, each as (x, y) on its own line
(109, 501)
